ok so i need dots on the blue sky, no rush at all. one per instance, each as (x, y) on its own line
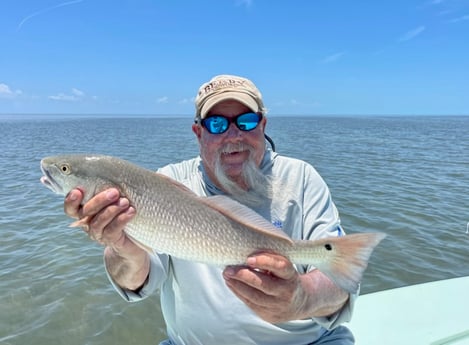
(306, 56)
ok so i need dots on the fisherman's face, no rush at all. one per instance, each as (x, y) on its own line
(232, 148)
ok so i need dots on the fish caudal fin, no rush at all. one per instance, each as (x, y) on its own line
(345, 258)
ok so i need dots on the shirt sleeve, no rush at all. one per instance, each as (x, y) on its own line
(158, 272)
(159, 264)
(321, 219)
(341, 316)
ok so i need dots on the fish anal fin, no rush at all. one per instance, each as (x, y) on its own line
(244, 215)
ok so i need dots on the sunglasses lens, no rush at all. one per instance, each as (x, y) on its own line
(216, 124)
(248, 121)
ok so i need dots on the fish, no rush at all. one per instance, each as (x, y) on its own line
(214, 230)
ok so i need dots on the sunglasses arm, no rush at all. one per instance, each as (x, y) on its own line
(271, 142)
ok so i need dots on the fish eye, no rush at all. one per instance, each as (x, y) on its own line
(65, 168)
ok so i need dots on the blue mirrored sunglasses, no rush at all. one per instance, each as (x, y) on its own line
(218, 124)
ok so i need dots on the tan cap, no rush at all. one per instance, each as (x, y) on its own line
(224, 87)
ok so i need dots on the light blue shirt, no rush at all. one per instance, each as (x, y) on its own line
(197, 305)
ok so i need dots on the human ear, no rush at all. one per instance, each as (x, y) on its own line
(197, 130)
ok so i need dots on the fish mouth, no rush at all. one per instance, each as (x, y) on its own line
(48, 181)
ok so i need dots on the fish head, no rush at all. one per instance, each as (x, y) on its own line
(63, 173)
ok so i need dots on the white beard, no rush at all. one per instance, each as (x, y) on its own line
(258, 187)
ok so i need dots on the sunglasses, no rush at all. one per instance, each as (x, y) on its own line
(218, 124)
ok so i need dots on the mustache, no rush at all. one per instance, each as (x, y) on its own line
(232, 148)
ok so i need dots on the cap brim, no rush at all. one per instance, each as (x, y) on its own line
(243, 98)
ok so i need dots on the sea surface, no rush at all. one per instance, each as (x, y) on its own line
(405, 176)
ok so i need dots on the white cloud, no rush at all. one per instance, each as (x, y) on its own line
(411, 34)
(460, 19)
(245, 3)
(45, 10)
(78, 93)
(74, 96)
(444, 12)
(294, 102)
(64, 97)
(6, 92)
(163, 99)
(333, 57)
(185, 101)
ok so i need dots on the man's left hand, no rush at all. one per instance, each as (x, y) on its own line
(270, 285)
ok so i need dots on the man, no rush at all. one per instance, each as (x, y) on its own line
(267, 301)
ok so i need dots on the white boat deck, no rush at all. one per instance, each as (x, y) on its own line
(433, 313)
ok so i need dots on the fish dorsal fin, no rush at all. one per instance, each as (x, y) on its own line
(244, 215)
(176, 184)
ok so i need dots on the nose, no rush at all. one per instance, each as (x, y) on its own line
(233, 132)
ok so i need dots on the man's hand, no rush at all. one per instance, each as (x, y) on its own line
(271, 286)
(104, 218)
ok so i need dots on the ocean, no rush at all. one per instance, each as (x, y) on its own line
(407, 176)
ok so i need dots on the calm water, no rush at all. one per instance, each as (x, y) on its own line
(406, 176)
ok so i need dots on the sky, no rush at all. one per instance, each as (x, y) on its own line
(307, 57)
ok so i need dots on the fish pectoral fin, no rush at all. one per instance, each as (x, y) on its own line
(244, 215)
(84, 222)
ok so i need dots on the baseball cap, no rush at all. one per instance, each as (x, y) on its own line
(224, 87)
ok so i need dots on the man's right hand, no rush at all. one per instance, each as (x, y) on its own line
(104, 218)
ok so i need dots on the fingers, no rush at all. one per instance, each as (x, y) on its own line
(268, 296)
(251, 276)
(252, 297)
(276, 264)
(250, 281)
(264, 271)
(240, 278)
(74, 199)
(107, 225)
(103, 217)
(267, 284)
(100, 200)
(72, 203)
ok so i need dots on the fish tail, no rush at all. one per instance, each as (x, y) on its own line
(343, 259)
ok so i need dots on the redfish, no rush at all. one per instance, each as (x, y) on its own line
(213, 230)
